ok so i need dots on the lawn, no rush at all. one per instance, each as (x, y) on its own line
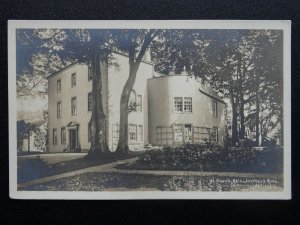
(134, 182)
(43, 165)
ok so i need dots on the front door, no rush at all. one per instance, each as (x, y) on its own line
(73, 139)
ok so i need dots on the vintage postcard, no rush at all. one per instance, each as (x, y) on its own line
(149, 109)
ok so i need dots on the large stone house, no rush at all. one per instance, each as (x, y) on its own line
(170, 110)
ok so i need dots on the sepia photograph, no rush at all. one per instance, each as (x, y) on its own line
(149, 109)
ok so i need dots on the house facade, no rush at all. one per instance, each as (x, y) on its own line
(168, 110)
(181, 110)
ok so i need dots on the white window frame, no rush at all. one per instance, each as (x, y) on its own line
(216, 139)
(183, 105)
(54, 134)
(215, 108)
(59, 110)
(73, 112)
(174, 106)
(129, 132)
(63, 137)
(90, 103)
(90, 73)
(140, 128)
(139, 103)
(58, 85)
(73, 78)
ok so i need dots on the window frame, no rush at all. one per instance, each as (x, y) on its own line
(90, 73)
(141, 128)
(132, 99)
(63, 137)
(215, 109)
(90, 103)
(73, 78)
(182, 105)
(129, 132)
(72, 106)
(59, 110)
(54, 136)
(216, 139)
(139, 105)
(58, 85)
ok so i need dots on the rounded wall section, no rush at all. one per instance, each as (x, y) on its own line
(162, 92)
(159, 105)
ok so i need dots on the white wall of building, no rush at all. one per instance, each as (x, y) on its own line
(163, 90)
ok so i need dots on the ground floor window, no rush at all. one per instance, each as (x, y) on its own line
(63, 135)
(132, 132)
(178, 134)
(214, 134)
(164, 135)
(54, 136)
(201, 135)
(140, 133)
(188, 134)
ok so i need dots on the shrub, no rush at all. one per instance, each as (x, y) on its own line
(210, 157)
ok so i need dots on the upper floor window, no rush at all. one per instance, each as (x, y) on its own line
(59, 109)
(58, 85)
(90, 101)
(132, 101)
(178, 104)
(215, 108)
(54, 136)
(90, 72)
(73, 80)
(188, 104)
(63, 135)
(182, 104)
(74, 106)
(139, 103)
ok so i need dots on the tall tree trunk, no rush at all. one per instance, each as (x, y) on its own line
(242, 116)
(98, 118)
(134, 63)
(257, 111)
(124, 110)
(234, 129)
(242, 101)
(281, 126)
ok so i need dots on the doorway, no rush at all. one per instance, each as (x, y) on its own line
(188, 134)
(73, 138)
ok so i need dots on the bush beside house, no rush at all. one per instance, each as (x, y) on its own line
(210, 158)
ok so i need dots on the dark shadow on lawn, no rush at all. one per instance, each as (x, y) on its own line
(36, 168)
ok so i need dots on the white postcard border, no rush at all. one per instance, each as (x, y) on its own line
(147, 24)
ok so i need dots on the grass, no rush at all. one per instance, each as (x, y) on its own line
(133, 182)
(39, 166)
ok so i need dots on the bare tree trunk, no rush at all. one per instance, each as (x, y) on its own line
(257, 112)
(242, 101)
(281, 127)
(134, 63)
(98, 118)
(242, 116)
(234, 129)
(124, 111)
